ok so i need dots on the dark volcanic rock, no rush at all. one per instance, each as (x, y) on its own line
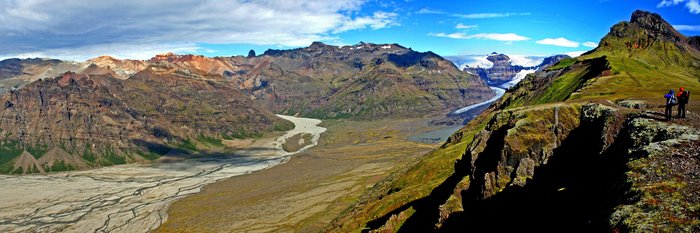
(694, 41)
(657, 26)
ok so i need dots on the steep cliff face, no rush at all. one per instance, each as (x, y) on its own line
(78, 121)
(580, 142)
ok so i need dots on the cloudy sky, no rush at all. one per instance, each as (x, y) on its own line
(138, 29)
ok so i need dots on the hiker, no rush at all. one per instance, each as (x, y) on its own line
(670, 101)
(683, 97)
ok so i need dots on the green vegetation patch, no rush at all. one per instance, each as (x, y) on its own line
(283, 126)
(9, 150)
(88, 155)
(566, 62)
(210, 140)
(563, 86)
(37, 150)
(112, 158)
(60, 166)
(188, 145)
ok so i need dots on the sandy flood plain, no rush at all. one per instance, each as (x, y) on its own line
(128, 198)
(309, 191)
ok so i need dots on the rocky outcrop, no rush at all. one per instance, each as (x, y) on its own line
(663, 179)
(694, 41)
(655, 26)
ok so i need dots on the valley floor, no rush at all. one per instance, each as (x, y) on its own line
(132, 197)
(310, 190)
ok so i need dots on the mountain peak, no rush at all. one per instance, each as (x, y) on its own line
(496, 57)
(640, 16)
(643, 31)
(317, 44)
(653, 23)
(105, 57)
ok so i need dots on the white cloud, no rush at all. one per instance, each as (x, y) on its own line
(472, 16)
(486, 36)
(457, 35)
(561, 41)
(575, 53)
(122, 51)
(41, 26)
(429, 11)
(590, 44)
(692, 5)
(377, 21)
(471, 61)
(489, 15)
(525, 60)
(687, 27)
(666, 3)
(462, 26)
(479, 61)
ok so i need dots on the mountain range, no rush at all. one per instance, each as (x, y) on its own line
(64, 115)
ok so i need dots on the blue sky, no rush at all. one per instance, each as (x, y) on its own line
(137, 29)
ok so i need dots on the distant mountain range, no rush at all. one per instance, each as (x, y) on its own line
(108, 111)
(499, 69)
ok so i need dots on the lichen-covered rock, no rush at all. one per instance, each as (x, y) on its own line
(516, 141)
(664, 179)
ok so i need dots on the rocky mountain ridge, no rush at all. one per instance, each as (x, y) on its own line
(320, 80)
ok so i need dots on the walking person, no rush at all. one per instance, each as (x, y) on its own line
(683, 97)
(670, 101)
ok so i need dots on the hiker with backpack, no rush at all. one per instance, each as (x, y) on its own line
(683, 97)
(670, 101)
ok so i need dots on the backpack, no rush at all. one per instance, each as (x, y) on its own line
(686, 96)
(673, 100)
